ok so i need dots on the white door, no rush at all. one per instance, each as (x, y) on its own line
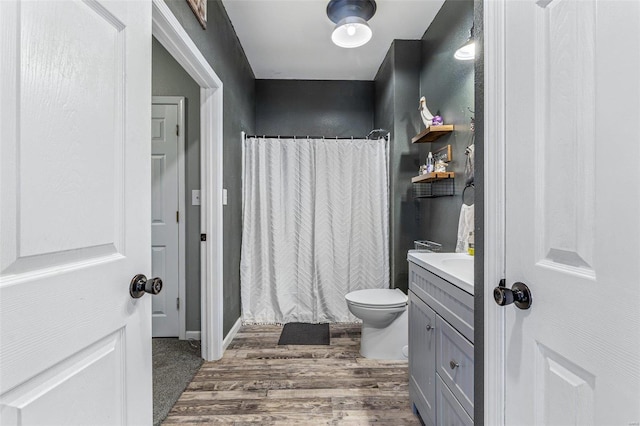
(165, 217)
(573, 211)
(75, 348)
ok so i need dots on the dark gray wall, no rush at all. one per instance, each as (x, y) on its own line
(220, 46)
(170, 79)
(448, 85)
(314, 107)
(452, 87)
(396, 109)
(384, 112)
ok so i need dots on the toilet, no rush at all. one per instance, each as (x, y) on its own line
(385, 324)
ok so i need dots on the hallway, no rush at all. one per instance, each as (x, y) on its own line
(257, 382)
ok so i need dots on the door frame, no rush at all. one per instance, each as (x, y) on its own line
(182, 211)
(170, 33)
(494, 207)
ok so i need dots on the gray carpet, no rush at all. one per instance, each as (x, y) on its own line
(175, 362)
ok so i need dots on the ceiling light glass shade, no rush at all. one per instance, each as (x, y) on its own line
(467, 51)
(351, 32)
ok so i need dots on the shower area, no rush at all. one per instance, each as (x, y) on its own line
(315, 225)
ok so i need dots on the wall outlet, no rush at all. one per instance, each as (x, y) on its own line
(224, 197)
(195, 197)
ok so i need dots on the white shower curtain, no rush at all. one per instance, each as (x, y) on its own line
(315, 227)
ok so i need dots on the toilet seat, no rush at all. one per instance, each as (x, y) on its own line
(378, 298)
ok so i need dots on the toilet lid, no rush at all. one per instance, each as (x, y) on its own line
(379, 297)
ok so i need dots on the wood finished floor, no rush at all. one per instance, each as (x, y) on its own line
(258, 382)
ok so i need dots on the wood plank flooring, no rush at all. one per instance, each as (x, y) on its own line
(258, 382)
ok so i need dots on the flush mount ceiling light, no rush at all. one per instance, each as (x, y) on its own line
(350, 17)
(467, 51)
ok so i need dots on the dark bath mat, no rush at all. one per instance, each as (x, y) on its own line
(302, 333)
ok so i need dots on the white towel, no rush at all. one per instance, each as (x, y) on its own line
(465, 226)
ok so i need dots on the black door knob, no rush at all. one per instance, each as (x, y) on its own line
(519, 294)
(141, 285)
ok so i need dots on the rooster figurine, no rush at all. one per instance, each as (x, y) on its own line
(425, 114)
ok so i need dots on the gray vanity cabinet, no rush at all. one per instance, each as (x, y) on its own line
(440, 349)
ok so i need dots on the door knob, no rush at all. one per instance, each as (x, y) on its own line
(519, 294)
(141, 285)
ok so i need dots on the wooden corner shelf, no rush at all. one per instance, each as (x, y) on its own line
(432, 133)
(430, 177)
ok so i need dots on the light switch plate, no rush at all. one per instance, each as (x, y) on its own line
(195, 197)
(224, 197)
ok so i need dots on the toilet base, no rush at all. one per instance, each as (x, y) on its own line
(386, 342)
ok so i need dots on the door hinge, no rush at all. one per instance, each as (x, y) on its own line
(178, 217)
(203, 237)
(177, 130)
(177, 303)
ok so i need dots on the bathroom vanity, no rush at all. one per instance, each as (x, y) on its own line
(441, 337)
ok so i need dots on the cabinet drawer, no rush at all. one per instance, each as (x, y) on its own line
(450, 412)
(454, 363)
(450, 302)
(422, 358)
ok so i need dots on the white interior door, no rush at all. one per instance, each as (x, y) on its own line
(165, 217)
(573, 209)
(75, 348)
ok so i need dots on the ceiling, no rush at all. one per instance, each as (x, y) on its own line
(291, 39)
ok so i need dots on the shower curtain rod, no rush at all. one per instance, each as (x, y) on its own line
(308, 137)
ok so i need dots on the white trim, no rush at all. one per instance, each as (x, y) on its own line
(494, 213)
(243, 138)
(211, 221)
(192, 335)
(231, 334)
(182, 210)
(170, 33)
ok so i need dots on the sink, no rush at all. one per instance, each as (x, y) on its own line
(465, 262)
(457, 268)
(460, 266)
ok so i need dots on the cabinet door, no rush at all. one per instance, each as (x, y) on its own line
(422, 357)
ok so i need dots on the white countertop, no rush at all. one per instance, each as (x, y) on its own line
(457, 268)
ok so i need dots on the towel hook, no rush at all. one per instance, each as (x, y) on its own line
(465, 190)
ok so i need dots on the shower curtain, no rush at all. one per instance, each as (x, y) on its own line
(315, 227)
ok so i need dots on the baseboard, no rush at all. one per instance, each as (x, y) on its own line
(192, 335)
(231, 334)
